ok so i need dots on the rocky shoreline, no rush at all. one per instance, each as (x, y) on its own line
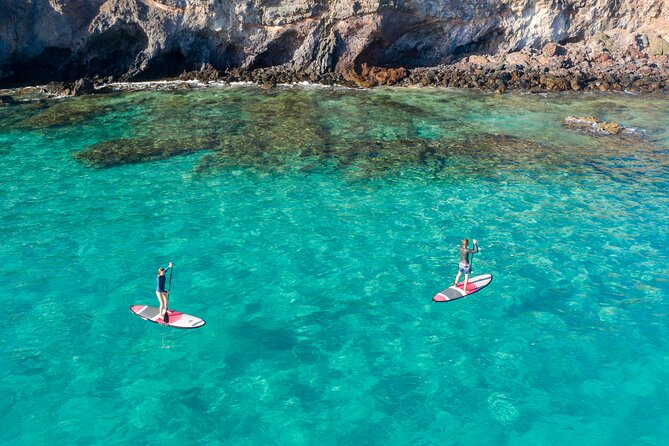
(554, 69)
(602, 64)
(616, 62)
(488, 45)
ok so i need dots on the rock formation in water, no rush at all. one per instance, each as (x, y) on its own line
(590, 124)
(369, 42)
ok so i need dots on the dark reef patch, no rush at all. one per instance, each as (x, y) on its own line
(363, 135)
(66, 112)
(369, 158)
(130, 151)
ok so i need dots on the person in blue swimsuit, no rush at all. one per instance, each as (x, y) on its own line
(161, 292)
(465, 266)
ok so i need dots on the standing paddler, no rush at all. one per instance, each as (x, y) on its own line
(161, 292)
(465, 265)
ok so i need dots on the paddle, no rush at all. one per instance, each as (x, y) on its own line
(471, 263)
(166, 317)
(471, 269)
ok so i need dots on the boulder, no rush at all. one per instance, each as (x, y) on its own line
(576, 83)
(645, 70)
(82, 87)
(553, 83)
(657, 46)
(56, 88)
(612, 128)
(6, 100)
(553, 49)
(477, 59)
(370, 76)
(391, 76)
(545, 61)
(206, 73)
(602, 58)
(584, 65)
(634, 52)
(517, 58)
(601, 42)
(592, 125)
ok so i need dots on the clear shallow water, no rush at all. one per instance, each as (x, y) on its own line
(311, 228)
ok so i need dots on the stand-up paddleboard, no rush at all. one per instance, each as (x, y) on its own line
(476, 283)
(177, 319)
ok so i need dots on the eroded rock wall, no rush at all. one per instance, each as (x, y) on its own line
(43, 40)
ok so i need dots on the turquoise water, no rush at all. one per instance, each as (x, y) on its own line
(311, 228)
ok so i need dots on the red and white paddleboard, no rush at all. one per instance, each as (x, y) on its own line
(476, 283)
(177, 319)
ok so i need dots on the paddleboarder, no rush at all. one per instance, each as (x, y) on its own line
(465, 266)
(161, 292)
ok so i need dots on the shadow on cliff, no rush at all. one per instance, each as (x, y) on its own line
(404, 40)
(108, 53)
(278, 52)
(194, 51)
(112, 51)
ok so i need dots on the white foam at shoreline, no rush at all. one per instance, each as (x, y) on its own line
(166, 85)
(176, 84)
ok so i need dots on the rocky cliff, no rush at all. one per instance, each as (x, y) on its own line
(43, 40)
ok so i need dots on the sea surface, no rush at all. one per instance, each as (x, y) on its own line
(310, 228)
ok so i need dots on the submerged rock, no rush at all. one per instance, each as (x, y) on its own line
(553, 49)
(363, 135)
(288, 130)
(592, 125)
(369, 157)
(657, 45)
(66, 111)
(130, 151)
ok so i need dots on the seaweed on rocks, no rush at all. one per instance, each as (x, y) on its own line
(159, 126)
(361, 135)
(161, 139)
(467, 154)
(365, 158)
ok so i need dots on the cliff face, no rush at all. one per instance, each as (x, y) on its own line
(43, 40)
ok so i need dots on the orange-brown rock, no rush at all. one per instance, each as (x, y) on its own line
(593, 125)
